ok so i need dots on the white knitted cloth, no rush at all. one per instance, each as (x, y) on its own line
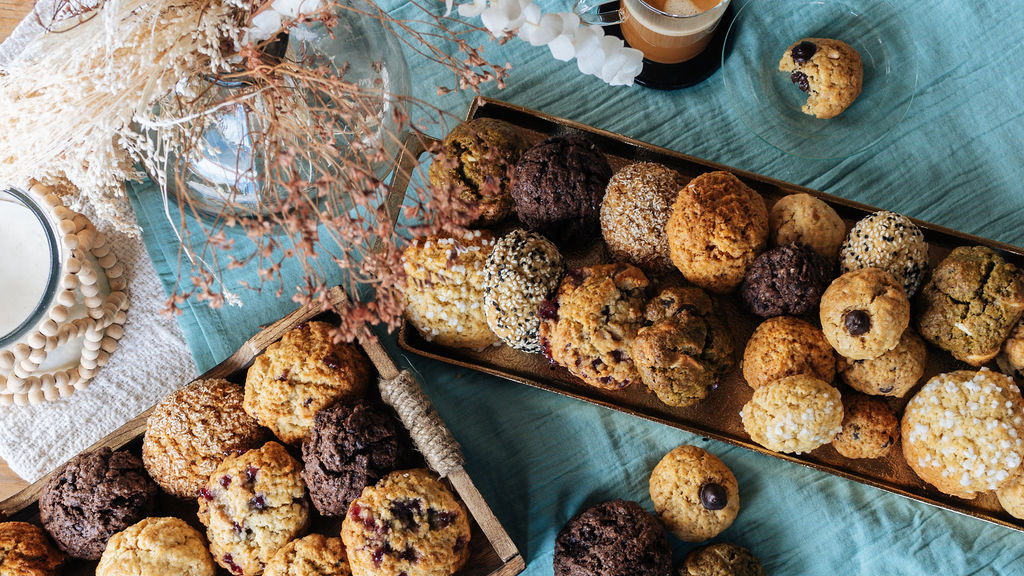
(151, 360)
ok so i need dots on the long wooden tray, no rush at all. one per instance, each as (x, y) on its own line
(492, 552)
(718, 415)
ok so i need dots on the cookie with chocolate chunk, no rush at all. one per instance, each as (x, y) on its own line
(830, 72)
(864, 313)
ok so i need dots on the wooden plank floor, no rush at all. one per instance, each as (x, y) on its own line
(11, 12)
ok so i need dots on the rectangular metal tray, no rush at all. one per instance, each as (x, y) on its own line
(718, 415)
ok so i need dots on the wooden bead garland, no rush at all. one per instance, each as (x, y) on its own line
(87, 257)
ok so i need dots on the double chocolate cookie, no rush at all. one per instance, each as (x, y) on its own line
(789, 280)
(615, 538)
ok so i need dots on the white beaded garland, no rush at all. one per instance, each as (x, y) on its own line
(89, 256)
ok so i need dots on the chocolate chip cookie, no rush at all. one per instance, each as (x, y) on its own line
(828, 70)
(615, 538)
(891, 374)
(864, 313)
(870, 428)
(694, 493)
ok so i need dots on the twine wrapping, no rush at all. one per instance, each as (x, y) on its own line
(428, 431)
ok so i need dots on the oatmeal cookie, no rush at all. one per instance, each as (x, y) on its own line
(963, 432)
(828, 70)
(784, 346)
(523, 270)
(870, 428)
(864, 313)
(721, 559)
(802, 218)
(444, 290)
(191, 430)
(1011, 359)
(891, 374)
(252, 505)
(25, 550)
(787, 280)
(684, 347)
(971, 304)
(590, 325)
(300, 374)
(409, 523)
(156, 547)
(352, 446)
(615, 538)
(313, 555)
(889, 241)
(717, 227)
(475, 166)
(93, 496)
(795, 414)
(694, 493)
(635, 211)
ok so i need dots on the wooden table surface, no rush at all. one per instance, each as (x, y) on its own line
(11, 12)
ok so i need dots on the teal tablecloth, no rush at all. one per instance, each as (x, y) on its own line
(956, 160)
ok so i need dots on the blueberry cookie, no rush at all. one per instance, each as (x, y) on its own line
(352, 446)
(299, 375)
(558, 185)
(694, 493)
(590, 325)
(804, 219)
(25, 550)
(717, 227)
(475, 167)
(409, 523)
(971, 304)
(93, 496)
(615, 538)
(870, 428)
(864, 313)
(523, 270)
(156, 547)
(635, 211)
(191, 430)
(963, 432)
(252, 505)
(721, 559)
(829, 71)
(889, 241)
(795, 414)
(785, 346)
(313, 555)
(787, 280)
(684, 347)
(891, 374)
(444, 289)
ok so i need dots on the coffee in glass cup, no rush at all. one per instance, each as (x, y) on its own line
(670, 31)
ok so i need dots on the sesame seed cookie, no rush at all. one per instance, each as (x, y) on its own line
(870, 428)
(192, 430)
(1011, 359)
(963, 432)
(156, 547)
(684, 347)
(784, 346)
(864, 313)
(300, 374)
(787, 280)
(614, 538)
(313, 555)
(635, 211)
(828, 70)
(25, 550)
(795, 414)
(721, 559)
(590, 325)
(717, 227)
(1011, 496)
(523, 270)
(408, 523)
(889, 241)
(694, 493)
(252, 505)
(971, 304)
(802, 218)
(475, 167)
(444, 290)
(891, 374)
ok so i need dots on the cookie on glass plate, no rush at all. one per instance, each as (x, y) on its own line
(830, 72)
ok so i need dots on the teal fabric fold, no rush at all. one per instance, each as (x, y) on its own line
(957, 159)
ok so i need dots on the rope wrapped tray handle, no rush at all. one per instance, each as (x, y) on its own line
(428, 431)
